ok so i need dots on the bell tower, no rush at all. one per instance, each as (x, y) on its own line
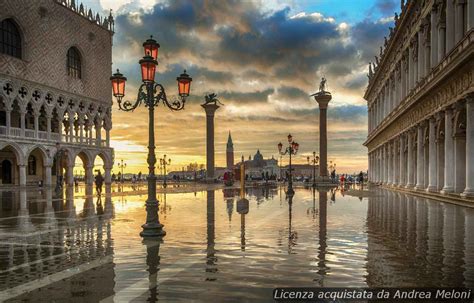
(230, 152)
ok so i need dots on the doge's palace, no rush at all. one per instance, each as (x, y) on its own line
(55, 97)
(421, 100)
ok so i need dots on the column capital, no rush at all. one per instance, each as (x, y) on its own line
(210, 108)
(469, 98)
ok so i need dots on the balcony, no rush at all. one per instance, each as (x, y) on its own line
(42, 136)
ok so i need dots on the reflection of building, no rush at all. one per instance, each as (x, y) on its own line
(55, 63)
(256, 166)
(420, 100)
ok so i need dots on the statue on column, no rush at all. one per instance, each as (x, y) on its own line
(322, 85)
(212, 99)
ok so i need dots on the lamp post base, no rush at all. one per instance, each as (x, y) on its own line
(152, 230)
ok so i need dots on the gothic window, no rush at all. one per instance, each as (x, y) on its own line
(10, 39)
(74, 63)
(31, 165)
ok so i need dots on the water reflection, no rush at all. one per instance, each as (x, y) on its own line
(417, 242)
(389, 239)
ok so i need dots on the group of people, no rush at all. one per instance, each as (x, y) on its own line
(346, 178)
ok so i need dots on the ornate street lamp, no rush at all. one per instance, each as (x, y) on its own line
(151, 94)
(292, 149)
(313, 161)
(163, 164)
(121, 165)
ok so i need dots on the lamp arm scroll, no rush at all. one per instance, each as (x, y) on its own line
(129, 106)
(175, 105)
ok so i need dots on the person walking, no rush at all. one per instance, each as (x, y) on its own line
(99, 181)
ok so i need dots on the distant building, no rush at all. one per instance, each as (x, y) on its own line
(256, 166)
(230, 153)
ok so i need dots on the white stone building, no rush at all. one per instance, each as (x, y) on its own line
(55, 96)
(421, 100)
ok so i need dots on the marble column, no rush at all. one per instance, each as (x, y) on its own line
(420, 159)
(449, 25)
(411, 164)
(459, 163)
(323, 99)
(210, 109)
(47, 177)
(89, 174)
(22, 122)
(421, 53)
(48, 125)
(98, 133)
(469, 190)
(107, 136)
(459, 20)
(448, 152)
(22, 172)
(403, 78)
(107, 174)
(71, 129)
(389, 164)
(36, 123)
(434, 35)
(8, 118)
(411, 70)
(401, 179)
(70, 175)
(432, 164)
(441, 40)
(395, 168)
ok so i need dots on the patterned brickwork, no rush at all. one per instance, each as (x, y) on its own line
(48, 30)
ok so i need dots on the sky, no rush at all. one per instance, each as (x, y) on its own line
(263, 59)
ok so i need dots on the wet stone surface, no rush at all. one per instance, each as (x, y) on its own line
(82, 248)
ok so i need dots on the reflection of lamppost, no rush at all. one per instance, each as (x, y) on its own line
(292, 149)
(151, 94)
(313, 161)
(164, 163)
(121, 166)
(281, 162)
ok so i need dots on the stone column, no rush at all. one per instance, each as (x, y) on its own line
(71, 129)
(448, 151)
(36, 122)
(421, 53)
(402, 180)
(323, 99)
(210, 109)
(459, 163)
(389, 164)
(70, 175)
(432, 184)
(420, 159)
(8, 117)
(403, 77)
(98, 133)
(411, 71)
(395, 168)
(107, 174)
(47, 177)
(107, 135)
(89, 174)
(449, 25)
(81, 129)
(22, 122)
(48, 125)
(469, 190)
(459, 20)
(22, 172)
(441, 40)
(411, 164)
(434, 35)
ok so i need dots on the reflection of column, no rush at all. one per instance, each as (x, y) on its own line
(211, 259)
(210, 109)
(242, 209)
(322, 268)
(89, 174)
(469, 247)
(421, 227)
(153, 263)
(47, 177)
(434, 254)
(70, 175)
(453, 236)
(411, 221)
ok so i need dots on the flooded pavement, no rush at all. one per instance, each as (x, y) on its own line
(219, 247)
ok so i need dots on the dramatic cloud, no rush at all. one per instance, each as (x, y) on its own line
(264, 60)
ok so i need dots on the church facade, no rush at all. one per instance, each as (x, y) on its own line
(420, 100)
(55, 97)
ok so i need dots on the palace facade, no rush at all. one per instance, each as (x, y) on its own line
(421, 100)
(55, 97)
